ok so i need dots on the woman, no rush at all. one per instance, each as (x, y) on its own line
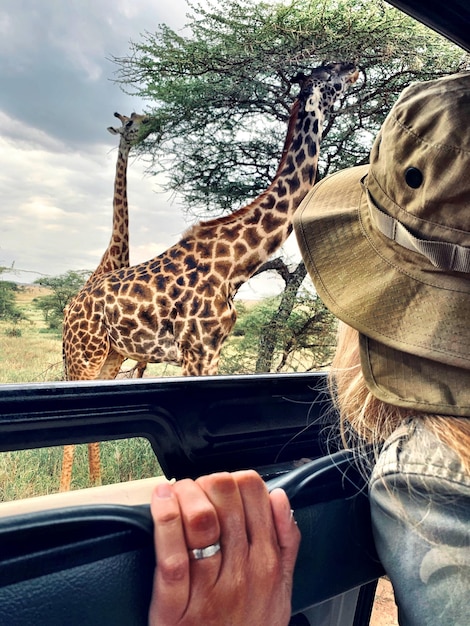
(388, 248)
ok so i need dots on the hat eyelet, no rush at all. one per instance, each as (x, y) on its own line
(414, 177)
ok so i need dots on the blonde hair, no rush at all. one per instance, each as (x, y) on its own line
(367, 420)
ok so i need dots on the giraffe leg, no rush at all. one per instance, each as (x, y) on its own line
(67, 462)
(110, 367)
(94, 463)
(140, 369)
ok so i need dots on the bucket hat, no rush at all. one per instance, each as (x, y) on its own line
(388, 248)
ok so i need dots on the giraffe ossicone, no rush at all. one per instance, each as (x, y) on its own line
(178, 307)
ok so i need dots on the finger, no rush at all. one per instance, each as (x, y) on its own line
(201, 529)
(171, 581)
(257, 507)
(265, 552)
(288, 533)
(223, 492)
(201, 525)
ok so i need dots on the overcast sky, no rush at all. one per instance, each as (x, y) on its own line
(57, 159)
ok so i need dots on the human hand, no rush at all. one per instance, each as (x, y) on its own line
(249, 581)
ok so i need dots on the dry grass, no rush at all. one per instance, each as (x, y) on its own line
(28, 353)
(32, 357)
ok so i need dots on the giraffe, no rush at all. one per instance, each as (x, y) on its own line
(178, 307)
(116, 256)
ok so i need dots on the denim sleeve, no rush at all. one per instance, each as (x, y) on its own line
(420, 506)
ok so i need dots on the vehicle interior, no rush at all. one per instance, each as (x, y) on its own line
(87, 557)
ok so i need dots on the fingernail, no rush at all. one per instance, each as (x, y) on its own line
(163, 491)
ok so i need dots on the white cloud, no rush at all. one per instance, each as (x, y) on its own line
(57, 161)
(59, 217)
(18, 134)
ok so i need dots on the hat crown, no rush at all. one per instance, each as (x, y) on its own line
(388, 248)
(420, 160)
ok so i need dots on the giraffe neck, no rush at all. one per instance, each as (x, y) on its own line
(116, 255)
(252, 234)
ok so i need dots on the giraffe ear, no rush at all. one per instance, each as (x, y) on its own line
(113, 131)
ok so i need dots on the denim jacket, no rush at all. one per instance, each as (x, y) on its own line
(420, 506)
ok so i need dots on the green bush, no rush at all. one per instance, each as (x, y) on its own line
(13, 332)
(8, 309)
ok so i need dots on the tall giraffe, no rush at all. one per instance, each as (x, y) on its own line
(116, 256)
(178, 307)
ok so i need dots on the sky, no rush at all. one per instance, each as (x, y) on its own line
(57, 159)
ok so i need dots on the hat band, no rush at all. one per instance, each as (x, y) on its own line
(442, 254)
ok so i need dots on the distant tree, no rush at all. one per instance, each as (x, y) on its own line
(8, 309)
(276, 326)
(239, 352)
(62, 288)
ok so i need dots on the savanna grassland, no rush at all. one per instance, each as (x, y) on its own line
(30, 353)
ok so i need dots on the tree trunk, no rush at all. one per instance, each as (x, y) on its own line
(276, 327)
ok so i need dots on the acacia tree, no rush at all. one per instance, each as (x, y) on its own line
(220, 90)
(304, 341)
(8, 309)
(62, 289)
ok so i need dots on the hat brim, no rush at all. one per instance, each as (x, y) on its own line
(405, 380)
(410, 313)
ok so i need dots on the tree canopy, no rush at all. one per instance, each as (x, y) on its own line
(220, 93)
(8, 309)
(220, 90)
(62, 289)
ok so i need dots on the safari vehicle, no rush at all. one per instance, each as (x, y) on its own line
(88, 559)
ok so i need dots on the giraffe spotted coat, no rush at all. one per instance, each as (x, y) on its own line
(178, 307)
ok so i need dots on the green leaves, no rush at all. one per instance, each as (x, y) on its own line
(220, 89)
(62, 289)
(8, 308)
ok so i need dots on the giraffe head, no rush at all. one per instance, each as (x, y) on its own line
(131, 127)
(325, 84)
